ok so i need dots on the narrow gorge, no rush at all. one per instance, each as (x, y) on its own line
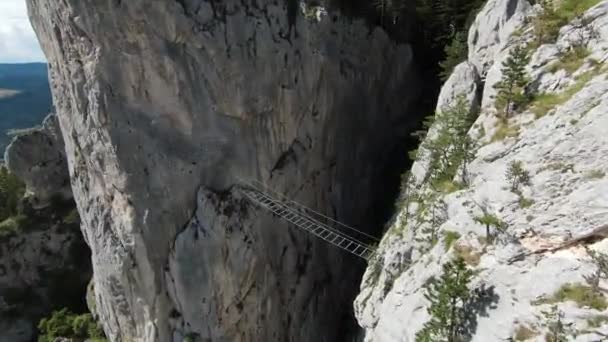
(168, 108)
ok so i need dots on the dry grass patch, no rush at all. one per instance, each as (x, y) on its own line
(524, 333)
(505, 130)
(470, 255)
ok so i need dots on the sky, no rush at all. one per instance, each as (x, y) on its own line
(18, 43)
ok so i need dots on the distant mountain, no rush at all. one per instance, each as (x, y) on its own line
(25, 98)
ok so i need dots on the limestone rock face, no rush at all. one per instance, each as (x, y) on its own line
(565, 151)
(491, 30)
(159, 101)
(38, 157)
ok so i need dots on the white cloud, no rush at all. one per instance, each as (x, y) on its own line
(18, 43)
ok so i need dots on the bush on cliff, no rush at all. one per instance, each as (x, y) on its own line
(66, 324)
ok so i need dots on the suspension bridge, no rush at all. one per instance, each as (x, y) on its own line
(323, 227)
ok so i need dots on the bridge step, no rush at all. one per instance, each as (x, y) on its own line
(309, 224)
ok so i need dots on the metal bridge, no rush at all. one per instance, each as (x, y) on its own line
(338, 234)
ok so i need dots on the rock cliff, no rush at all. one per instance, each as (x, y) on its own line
(165, 105)
(38, 157)
(548, 224)
(44, 260)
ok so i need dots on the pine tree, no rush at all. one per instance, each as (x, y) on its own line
(455, 53)
(11, 192)
(517, 175)
(601, 262)
(514, 80)
(489, 221)
(448, 296)
(450, 147)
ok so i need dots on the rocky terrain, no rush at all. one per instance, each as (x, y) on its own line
(44, 261)
(166, 106)
(541, 261)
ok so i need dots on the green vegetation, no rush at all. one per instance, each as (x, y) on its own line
(597, 321)
(553, 320)
(447, 187)
(517, 176)
(12, 225)
(523, 333)
(559, 166)
(511, 88)
(448, 239)
(600, 260)
(430, 215)
(568, 10)
(64, 323)
(505, 130)
(491, 221)
(570, 61)
(525, 202)
(554, 15)
(582, 295)
(451, 149)
(455, 53)
(11, 192)
(595, 174)
(448, 296)
(543, 103)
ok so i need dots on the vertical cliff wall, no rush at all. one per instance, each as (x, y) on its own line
(164, 105)
(530, 246)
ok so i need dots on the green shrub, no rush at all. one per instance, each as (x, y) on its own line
(12, 225)
(505, 130)
(597, 321)
(525, 202)
(451, 148)
(543, 103)
(558, 331)
(595, 174)
(582, 295)
(11, 192)
(455, 53)
(448, 239)
(554, 15)
(64, 323)
(570, 61)
(491, 221)
(517, 176)
(567, 10)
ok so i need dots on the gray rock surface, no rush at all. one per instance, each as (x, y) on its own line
(492, 29)
(38, 157)
(158, 99)
(566, 153)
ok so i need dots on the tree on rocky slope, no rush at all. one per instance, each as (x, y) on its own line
(511, 88)
(448, 296)
(517, 176)
(449, 148)
(601, 262)
(11, 192)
